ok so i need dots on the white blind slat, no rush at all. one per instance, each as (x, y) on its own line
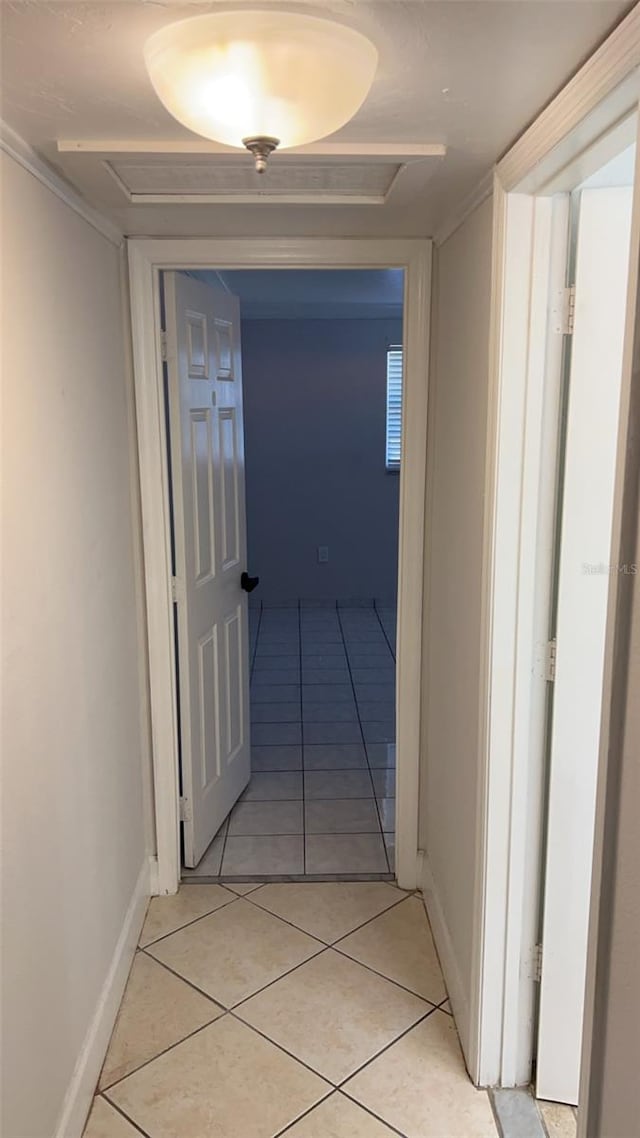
(394, 407)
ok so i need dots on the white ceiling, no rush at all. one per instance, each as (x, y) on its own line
(469, 74)
(327, 294)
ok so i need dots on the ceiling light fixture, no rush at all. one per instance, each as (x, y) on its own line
(261, 79)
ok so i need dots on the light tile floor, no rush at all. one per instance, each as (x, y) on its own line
(321, 800)
(311, 1010)
(560, 1121)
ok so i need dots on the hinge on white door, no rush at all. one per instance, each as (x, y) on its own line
(563, 311)
(536, 963)
(550, 670)
(174, 590)
(185, 810)
(163, 344)
(570, 310)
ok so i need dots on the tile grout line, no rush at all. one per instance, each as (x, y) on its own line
(165, 1051)
(335, 611)
(122, 1113)
(324, 947)
(188, 924)
(373, 785)
(331, 944)
(305, 1114)
(318, 1074)
(232, 1007)
(336, 1091)
(387, 1046)
(274, 1043)
(226, 835)
(384, 633)
(335, 1087)
(370, 968)
(395, 699)
(233, 1010)
(248, 897)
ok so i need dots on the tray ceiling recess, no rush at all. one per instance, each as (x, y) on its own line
(206, 173)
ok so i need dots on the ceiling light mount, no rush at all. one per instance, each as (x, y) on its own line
(261, 147)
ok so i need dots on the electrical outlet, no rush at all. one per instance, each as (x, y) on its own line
(323, 553)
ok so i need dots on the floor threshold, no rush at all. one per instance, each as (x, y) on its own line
(269, 878)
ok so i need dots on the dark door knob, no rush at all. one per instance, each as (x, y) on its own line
(248, 583)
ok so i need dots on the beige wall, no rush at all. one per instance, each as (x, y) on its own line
(73, 825)
(456, 461)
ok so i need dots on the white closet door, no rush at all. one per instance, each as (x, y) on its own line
(583, 582)
(207, 458)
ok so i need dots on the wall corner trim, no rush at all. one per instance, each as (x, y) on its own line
(22, 153)
(481, 191)
(83, 1083)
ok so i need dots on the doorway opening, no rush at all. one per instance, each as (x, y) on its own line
(185, 258)
(590, 388)
(567, 279)
(304, 422)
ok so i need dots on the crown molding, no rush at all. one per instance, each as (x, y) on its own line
(16, 147)
(605, 70)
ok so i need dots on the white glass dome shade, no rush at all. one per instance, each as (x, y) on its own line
(289, 78)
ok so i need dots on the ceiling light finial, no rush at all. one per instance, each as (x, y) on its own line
(261, 148)
(261, 78)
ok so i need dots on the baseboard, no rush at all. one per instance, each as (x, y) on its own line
(85, 1076)
(154, 877)
(444, 947)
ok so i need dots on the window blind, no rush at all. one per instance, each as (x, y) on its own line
(394, 407)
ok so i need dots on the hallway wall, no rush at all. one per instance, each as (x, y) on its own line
(74, 856)
(456, 452)
(315, 423)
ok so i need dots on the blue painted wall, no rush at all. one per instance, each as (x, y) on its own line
(314, 413)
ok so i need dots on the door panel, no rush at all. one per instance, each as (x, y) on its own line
(602, 262)
(228, 428)
(207, 451)
(202, 464)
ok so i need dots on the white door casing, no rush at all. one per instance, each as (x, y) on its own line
(602, 266)
(148, 257)
(209, 526)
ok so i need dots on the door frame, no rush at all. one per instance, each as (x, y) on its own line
(568, 141)
(147, 258)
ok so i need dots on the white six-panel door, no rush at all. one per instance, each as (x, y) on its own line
(583, 583)
(209, 526)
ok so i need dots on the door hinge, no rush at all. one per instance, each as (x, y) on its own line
(163, 345)
(536, 964)
(185, 810)
(550, 670)
(563, 311)
(174, 590)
